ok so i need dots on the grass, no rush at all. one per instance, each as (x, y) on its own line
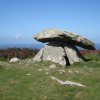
(25, 81)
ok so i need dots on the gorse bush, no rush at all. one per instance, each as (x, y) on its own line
(17, 52)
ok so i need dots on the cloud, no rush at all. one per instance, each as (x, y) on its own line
(18, 36)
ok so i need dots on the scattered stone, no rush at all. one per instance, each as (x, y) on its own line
(61, 71)
(67, 82)
(53, 66)
(12, 82)
(28, 74)
(77, 72)
(45, 97)
(40, 70)
(47, 73)
(70, 71)
(14, 60)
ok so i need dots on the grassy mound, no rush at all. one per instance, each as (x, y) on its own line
(26, 80)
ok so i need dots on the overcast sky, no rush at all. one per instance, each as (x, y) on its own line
(21, 19)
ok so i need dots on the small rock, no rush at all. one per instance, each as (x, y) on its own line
(47, 73)
(67, 82)
(70, 71)
(53, 78)
(28, 74)
(61, 71)
(45, 97)
(53, 66)
(14, 60)
(40, 70)
(77, 71)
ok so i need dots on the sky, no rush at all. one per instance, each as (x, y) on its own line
(21, 19)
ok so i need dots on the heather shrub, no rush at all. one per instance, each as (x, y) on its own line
(21, 53)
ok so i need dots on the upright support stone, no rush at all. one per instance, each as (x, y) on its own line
(59, 53)
(38, 57)
(55, 53)
(51, 52)
(73, 54)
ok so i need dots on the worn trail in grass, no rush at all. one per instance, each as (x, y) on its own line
(31, 81)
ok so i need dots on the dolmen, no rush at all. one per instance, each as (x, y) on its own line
(61, 46)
